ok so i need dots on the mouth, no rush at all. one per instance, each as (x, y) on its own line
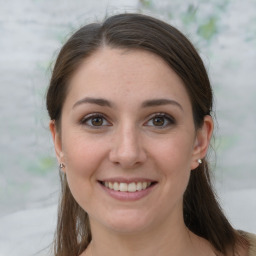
(130, 187)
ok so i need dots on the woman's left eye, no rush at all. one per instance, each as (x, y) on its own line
(160, 121)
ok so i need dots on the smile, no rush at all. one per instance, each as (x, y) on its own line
(127, 187)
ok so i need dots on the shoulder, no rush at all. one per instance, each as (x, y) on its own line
(251, 238)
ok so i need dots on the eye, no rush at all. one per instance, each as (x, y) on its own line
(95, 120)
(160, 120)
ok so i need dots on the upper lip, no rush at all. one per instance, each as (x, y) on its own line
(127, 180)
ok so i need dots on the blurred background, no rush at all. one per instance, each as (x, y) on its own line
(31, 34)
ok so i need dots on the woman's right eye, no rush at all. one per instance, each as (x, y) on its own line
(95, 121)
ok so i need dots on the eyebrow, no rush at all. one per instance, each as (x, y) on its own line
(161, 102)
(97, 101)
(147, 103)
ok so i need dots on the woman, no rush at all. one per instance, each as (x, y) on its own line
(130, 105)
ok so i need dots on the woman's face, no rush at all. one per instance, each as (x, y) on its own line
(128, 140)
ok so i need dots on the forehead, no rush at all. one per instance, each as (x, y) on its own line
(121, 74)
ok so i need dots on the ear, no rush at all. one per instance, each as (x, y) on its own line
(56, 141)
(202, 141)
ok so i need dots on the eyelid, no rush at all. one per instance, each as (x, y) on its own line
(171, 120)
(91, 116)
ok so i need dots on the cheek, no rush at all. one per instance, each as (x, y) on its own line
(175, 152)
(173, 158)
(82, 158)
(81, 154)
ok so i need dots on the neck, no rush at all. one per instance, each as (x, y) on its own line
(174, 241)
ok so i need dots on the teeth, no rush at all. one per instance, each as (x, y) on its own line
(131, 187)
(125, 187)
(116, 186)
(139, 186)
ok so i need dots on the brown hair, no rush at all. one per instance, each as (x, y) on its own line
(202, 213)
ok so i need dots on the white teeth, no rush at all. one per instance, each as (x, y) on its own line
(132, 187)
(139, 186)
(116, 186)
(125, 187)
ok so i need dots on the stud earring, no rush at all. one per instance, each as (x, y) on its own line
(61, 165)
(199, 161)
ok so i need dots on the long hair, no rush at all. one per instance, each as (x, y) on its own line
(202, 213)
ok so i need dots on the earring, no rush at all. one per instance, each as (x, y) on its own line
(61, 165)
(199, 161)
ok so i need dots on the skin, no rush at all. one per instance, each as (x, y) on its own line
(132, 140)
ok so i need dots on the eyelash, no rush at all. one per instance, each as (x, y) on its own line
(168, 120)
(90, 117)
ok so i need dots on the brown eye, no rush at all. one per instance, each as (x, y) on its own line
(97, 121)
(158, 121)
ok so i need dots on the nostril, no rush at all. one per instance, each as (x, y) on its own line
(127, 157)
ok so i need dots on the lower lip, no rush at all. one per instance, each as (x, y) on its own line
(128, 196)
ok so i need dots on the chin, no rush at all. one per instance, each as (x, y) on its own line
(128, 222)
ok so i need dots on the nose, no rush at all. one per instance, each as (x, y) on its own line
(127, 149)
